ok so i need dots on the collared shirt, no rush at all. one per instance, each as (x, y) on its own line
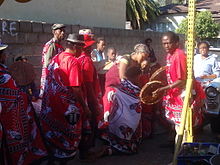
(206, 66)
(97, 55)
(68, 71)
(51, 48)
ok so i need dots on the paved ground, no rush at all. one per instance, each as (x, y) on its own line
(150, 153)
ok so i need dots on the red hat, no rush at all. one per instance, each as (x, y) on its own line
(88, 37)
(88, 40)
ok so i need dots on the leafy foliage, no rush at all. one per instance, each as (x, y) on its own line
(205, 27)
(138, 11)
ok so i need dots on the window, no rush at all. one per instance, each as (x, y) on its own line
(163, 27)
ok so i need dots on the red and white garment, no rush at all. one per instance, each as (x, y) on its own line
(61, 114)
(50, 49)
(20, 140)
(173, 100)
(123, 130)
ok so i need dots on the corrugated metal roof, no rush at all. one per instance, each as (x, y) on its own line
(211, 5)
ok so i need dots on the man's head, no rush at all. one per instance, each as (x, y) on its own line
(170, 41)
(2, 52)
(111, 53)
(142, 52)
(58, 31)
(88, 39)
(75, 43)
(87, 32)
(148, 41)
(100, 43)
(21, 58)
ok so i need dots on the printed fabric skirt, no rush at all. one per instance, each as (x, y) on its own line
(123, 118)
(61, 121)
(20, 140)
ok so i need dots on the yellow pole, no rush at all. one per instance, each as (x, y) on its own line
(186, 111)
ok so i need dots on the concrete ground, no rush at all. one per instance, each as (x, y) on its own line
(150, 152)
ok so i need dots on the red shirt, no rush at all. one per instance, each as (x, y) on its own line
(87, 68)
(69, 73)
(176, 66)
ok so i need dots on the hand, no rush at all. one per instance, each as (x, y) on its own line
(111, 95)
(156, 92)
(203, 77)
(212, 76)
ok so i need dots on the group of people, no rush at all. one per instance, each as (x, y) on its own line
(87, 96)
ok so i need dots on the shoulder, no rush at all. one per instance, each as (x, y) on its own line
(179, 53)
(125, 59)
(94, 51)
(84, 59)
(214, 56)
(197, 56)
(4, 75)
(70, 57)
(49, 44)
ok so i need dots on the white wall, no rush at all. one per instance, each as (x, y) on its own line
(168, 22)
(96, 13)
(176, 19)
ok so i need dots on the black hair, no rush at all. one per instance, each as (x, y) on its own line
(71, 44)
(111, 48)
(148, 39)
(20, 58)
(203, 42)
(100, 39)
(133, 72)
(173, 36)
(141, 48)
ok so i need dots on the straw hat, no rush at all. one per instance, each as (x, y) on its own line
(22, 72)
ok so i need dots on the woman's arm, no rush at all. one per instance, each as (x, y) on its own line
(211, 76)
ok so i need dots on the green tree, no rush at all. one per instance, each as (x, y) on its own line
(139, 11)
(205, 27)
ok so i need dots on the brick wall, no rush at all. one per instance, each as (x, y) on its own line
(28, 38)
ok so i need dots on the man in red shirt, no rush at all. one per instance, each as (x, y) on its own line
(176, 72)
(51, 48)
(91, 90)
(63, 107)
